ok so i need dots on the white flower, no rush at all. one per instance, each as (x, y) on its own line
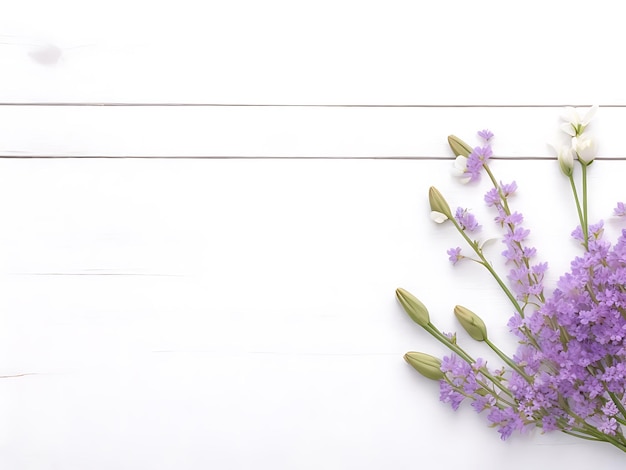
(459, 169)
(574, 124)
(585, 148)
(566, 160)
(438, 217)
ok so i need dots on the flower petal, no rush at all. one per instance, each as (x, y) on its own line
(591, 112)
(438, 217)
(568, 128)
(570, 115)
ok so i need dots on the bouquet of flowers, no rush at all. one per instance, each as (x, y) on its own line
(569, 370)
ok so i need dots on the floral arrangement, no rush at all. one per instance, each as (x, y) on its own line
(569, 370)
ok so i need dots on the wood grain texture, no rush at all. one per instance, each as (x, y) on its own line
(224, 298)
(313, 52)
(288, 132)
(220, 313)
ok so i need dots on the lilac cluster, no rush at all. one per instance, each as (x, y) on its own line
(570, 369)
(579, 358)
(473, 381)
(568, 372)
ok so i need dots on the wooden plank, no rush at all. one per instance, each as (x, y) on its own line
(238, 313)
(322, 52)
(251, 131)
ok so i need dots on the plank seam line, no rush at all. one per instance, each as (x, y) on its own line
(295, 105)
(269, 157)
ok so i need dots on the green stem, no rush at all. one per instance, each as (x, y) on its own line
(578, 208)
(585, 215)
(509, 361)
(580, 436)
(438, 335)
(486, 264)
(618, 404)
(593, 431)
(505, 203)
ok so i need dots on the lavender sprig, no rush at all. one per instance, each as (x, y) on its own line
(569, 370)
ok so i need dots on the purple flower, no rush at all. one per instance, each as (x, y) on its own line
(549, 423)
(570, 363)
(492, 197)
(447, 394)
(482, 403)
(514, 219)
(466, 220)
(507, 420)
(508, 189)
(476, 160)
(610, 409)
(454, 255)
(486, 134)
(608, 425)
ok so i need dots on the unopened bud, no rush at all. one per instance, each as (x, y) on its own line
(458, 146)
(566, 161)
(427, 365)
(438, 203)
(415, 309)
(585, 148)
(471, 322)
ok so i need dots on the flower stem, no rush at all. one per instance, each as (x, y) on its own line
(585, 215)
(489, 268)
(578, 208)
(617, 403)
(432, 329)
(509, 361)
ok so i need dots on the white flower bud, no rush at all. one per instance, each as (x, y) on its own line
(585, 148)
(566, 160)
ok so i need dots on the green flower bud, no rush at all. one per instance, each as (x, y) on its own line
(471, 322)
(416, 309)
(438, 203)
(458, 146)
(427, 365)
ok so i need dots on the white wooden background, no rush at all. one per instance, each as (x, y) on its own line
(206, 207)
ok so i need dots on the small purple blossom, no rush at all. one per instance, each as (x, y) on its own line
(454, 255)
(492, 197)
(476, 160)
(506, 420)
(485, 134)
(466, 220)
(608, 425)
(508, 189)
(620, 209)
(610, 409)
